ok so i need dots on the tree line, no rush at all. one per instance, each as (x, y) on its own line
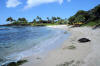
(90, 17)
(86, 17)
(38, 20)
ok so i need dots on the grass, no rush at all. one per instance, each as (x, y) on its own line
(17, 64)
(71, 47)
(92, 23)
(44, 24)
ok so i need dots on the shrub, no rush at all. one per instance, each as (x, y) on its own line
(71, 47)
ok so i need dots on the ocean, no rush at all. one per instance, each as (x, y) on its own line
(17, 42)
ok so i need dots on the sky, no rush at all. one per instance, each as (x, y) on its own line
(43, 8)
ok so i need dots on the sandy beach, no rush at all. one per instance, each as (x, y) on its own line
(79, 56)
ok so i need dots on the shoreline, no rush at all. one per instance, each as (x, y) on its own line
(36, 57)
(57, 40)
(63, 55)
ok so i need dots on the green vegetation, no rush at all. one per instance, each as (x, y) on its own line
(18, 63)
(71, 47)
(92, 23)
(10, 19)
(81, 18)
(36, 22)
(86, 18)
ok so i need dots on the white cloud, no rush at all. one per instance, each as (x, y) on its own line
(32, 3)
(12, 3)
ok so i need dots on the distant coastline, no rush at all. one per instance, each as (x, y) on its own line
(29, 25)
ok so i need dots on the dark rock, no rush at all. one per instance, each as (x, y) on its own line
(97, 26)
(21, 62)
(76, 25)
(18, 63)
(1, 59)
(83, 40)
(12, 64)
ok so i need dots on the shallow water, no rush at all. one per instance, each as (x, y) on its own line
(19, 42)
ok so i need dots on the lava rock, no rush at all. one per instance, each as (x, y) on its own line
(76, 25)
(97, 26)
(83, 40)
(11, 64)
(1, 59)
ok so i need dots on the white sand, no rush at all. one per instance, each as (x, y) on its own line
(81, 56)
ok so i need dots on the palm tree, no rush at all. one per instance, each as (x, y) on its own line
(34, 21)
(53, 19)
(48, 19)
(58, 18)
(10, 19)
(39, 19)
(22, 20)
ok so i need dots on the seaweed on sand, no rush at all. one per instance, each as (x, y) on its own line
(16, 63)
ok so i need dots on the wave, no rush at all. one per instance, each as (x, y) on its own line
(4, 29)
(45, 44)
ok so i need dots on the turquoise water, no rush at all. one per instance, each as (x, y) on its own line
(18, 42)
